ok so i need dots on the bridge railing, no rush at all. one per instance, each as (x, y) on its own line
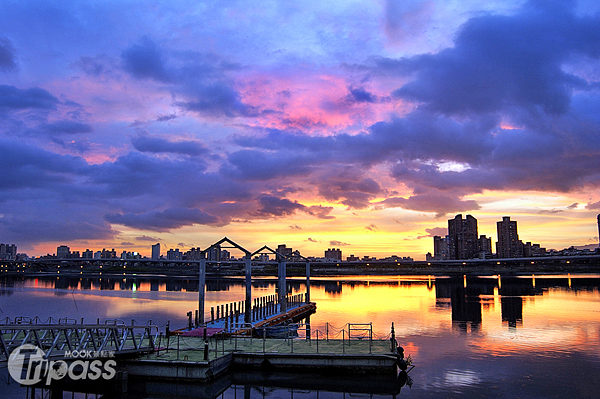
(58, 339)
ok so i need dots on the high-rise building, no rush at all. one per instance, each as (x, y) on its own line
(599, 230)
(333, 254)
(63, 252)
(440, 248)
(462, 237)
(284, 250)
(156, 251)
(484, 245)
(174, 254)
(8, 252)
(508, 245)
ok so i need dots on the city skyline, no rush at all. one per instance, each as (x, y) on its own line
(358, 125)
(462, 241)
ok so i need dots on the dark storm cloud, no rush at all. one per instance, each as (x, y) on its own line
(67, 127)
(502, 61)
(12, 98)
(360, 95)
(350, 189)
(258, 165)
(7, 55)
(166, 220)
(273, 206)
(216, 99)
(145, 60)
(29, 167)
(198, 80)
(144, 143)
(497, 111)
(438, 202)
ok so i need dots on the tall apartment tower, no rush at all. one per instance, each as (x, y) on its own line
(462, 237)
(599, 230)
(156, 251)
(508, 245)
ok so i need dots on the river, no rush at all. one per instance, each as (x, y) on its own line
(535, 336)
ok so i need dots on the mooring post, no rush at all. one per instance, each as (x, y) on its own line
(370, 336)
(307, 282)
(201, 289)
(205, 344)
(248, 308)
(393, 343)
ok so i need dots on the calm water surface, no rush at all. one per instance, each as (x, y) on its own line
(480, 337)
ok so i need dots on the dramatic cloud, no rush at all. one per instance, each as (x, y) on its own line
(335, 243)
(436, 231)
(67, 127)
(12, 98)
(7, 55)
(166, 220)
(370, 113)
(158, 145)
(145, 61)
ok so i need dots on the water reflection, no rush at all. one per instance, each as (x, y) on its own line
(468, 335)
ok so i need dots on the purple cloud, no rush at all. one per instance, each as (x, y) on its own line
(12, 98)
(7, 55)
(166, 220)
(144, 143)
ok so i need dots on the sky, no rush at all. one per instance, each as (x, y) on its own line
(359, 125)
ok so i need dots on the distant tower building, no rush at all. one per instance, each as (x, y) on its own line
(284, 250)
(508, 245)
(334, 254)
(484, 246)
(462, 238)
(63, 252)
(214, 254)
(8, 252)
(440, 248)
(599, 230)
(156, 251)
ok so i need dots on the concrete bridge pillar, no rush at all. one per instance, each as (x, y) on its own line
(201, 290)
(248, 307)
(281, 285)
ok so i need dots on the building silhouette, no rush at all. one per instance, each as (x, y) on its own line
(8, 252)
(156, 251)
(463, 238)
(508, 245)
(599, 230)
(333, 254)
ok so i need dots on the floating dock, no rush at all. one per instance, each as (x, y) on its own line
(332, 357)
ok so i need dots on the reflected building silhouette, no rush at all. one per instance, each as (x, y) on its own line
(333, 287)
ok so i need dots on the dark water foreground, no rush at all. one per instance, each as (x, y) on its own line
(535, 336)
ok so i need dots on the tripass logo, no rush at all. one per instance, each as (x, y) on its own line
(28, 366)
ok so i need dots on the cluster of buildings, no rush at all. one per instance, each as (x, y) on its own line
(464, 242)
(8, 252)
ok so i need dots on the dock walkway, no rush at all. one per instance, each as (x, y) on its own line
(297, 355)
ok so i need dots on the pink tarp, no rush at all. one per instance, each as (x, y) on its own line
(199, 332)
